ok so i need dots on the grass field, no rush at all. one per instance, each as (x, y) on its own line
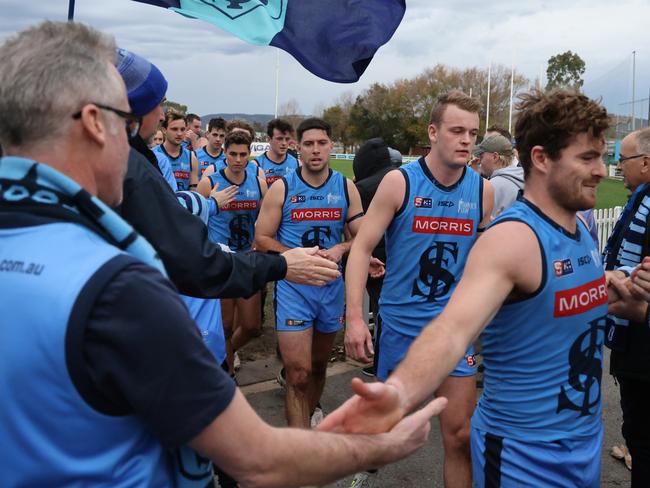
(611, 193)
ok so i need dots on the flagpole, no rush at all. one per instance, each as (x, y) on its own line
(512, 86)
(487, 115)
(277, 80)
(71, 10)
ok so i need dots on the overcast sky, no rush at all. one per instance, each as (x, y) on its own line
(212, 71)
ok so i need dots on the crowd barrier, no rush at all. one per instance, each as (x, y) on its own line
(605, 219)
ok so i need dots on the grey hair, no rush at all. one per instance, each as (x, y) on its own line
(642, 141)
(47, 73)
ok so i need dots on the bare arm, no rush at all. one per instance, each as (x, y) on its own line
(506, 258)
(336, 252)
(194, 176)
(283, 457)
(384, 205)
(269, 219)
(488, 204)
(263, 186)
(205, 185)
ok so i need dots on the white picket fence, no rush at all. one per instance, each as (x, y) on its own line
(605, 219)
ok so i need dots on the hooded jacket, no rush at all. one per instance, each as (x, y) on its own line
(371, 163)
(507, 183)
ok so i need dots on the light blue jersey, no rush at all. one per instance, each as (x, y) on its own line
(274, 171)
(234, 224)
(181, 166)
(427, 245)
(166, 169)
(206, 160)
(543, 354)
(311, 216)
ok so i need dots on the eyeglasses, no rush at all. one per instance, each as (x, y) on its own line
(622, 160)
(132, 121)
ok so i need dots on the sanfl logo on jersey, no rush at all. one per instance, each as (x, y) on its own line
(422, 202)
(562, 267)
(298, 199)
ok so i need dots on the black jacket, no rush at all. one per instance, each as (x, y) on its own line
(370, 165)
(195, 265)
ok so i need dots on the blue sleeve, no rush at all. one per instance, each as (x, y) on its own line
(144, 356)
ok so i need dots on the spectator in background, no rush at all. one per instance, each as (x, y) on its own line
(495, 155)
(193, 139)
(629, 338)
(496, 129)
(157, 139)
(371, 163)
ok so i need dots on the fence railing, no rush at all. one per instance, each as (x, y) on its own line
(605, 219)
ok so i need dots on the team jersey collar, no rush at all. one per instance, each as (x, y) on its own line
(299, 173)
(428, 174)
(571, 235)
(222, 171)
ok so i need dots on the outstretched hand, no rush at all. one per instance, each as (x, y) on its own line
(375, 408)
(225, 196)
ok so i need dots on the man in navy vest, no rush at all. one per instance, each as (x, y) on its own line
(102, 369)
(535, 286)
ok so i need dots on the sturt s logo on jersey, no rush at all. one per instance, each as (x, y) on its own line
(240, 237)
(442, 225)
(434, 280)
(582, 394)
(316, 236)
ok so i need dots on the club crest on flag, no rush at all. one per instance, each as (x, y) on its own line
(234, 9)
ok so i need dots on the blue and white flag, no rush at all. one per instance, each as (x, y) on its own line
(334, 39)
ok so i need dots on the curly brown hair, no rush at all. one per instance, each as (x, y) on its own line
(453, 97)
(553, 119)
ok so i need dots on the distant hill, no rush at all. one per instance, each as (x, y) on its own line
(262, 119)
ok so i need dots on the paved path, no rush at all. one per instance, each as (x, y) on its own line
(424, 468)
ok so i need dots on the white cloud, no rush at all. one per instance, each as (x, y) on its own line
(212, 71)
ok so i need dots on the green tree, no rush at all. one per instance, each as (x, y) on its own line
(174, 106)
(565, 71)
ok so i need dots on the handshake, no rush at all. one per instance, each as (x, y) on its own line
(628, 297)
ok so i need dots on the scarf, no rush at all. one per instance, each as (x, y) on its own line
(29, 186)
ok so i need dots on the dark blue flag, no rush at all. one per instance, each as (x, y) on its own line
(334, 39)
